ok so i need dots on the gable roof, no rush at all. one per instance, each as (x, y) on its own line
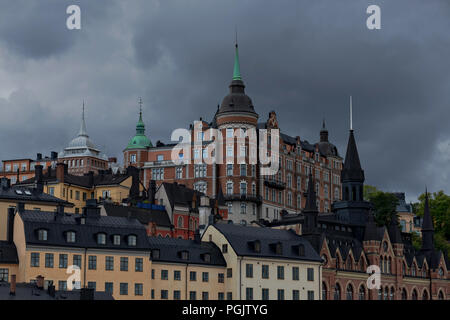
(170, 249)
(24, 194)
(180, 194)
(240, 238)
(85, 233)
(8, 253)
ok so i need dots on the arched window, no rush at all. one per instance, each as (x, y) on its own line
(413, 270)
(440, 295)
(180, 222)
(354, 193)
(337, 292)
(386, 293)
(381, 265)
(414, 295)
(385, 269)
(392, 294)
(362, 292)
(404, 269)
(349, 292)
(191, 224)
(380, 293)
(425, 295)
(389, 265)
(404, 294)
(349, 263)
(324, 291)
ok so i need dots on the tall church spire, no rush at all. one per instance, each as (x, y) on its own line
(427, 227)
(311, 204)
(83, 131)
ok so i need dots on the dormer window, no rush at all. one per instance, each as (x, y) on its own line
(301, 250)
(257, 246)
(116, 240)
(42, 235)
(278, 248)
(207, 257)
(132, 240)
(155, 253)
(185, 255)
(101, 238)
(70, 236)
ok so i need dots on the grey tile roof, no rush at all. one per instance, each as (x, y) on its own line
(144, 216)
(241, 237)
(22, 194)
(170, 251)
(180, 194)
(85, 233)
(28, 291)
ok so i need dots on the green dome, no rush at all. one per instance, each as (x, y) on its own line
(139, 141)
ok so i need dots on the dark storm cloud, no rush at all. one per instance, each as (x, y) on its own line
(300, 58)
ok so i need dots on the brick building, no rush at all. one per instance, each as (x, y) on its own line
(248, 194)
(349, 241)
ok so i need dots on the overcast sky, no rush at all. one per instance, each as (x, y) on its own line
(300, 58)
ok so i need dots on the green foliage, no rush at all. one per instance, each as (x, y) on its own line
(368, 190)
(385, 205)
(416, 240)
(439, 204)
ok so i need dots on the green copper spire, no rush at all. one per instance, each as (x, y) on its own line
(139, 141)
(237, 69)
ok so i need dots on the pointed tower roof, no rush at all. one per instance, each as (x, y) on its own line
(140, 140)
(311, 205)
(324, 132)
(237, 68)
(236, 100)
(83, 131)
(352, 170)
(427, 227)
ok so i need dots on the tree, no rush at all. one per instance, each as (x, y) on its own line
(385, 206)
(439, 204)
(368, 190)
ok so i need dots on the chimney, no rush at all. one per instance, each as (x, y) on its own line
(49, 171)
(38, 178)
(20, 206)
(134, 173)
(54, 155)
(197, 236)
(40, 282)
(5, 183)
(91, 210)
(152, 191)
(60, 171)
(11, 213)
(59, 213)
(39, 156)
(12, 285)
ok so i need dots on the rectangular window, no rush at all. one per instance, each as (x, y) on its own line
(35, 259)
(63, 260)
(109, 263)
(229, 170)
(138, 289)
(205, 276)
(192, 295)
(164, 294)
(280, 294)
(229, 295)
(221, 277)
(92, 262)
(49, 260)
(249, 293)
(139, 265)
(249, 270)
(229, 273)
(220, 296)
(123, 264)
(243, 170)
(123, 289)
(177, 295)
(310, 274)
(77, 260)
(164, 274)
(280, 272)
(265, 271)
(177, 275)
(295, 273)
(265, 294)
(205, 295)
(92, 285)
(193, 276)
(224, 248)
(295, 295)
(109, 287)
(310, 295)
(152, 294)
(77, 195)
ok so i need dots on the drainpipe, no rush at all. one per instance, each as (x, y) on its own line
(186, 283)
(240, 278)
(84, 280)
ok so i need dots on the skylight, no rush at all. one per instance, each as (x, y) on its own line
(19, 191)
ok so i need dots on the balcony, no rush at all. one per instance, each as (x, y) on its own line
(274, 183)
(243, 197)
